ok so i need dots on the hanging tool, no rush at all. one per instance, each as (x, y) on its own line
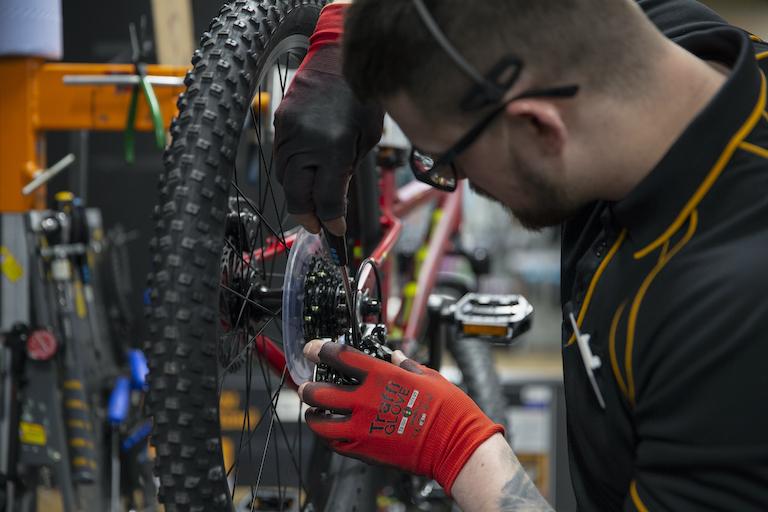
(138, 54)
(44, 176)
(12, 357)
(337, 249)
(117, 414)
(108, 354)
(77, 413)
(79, 240)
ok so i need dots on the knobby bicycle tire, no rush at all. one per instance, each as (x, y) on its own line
(474, 358)
(183, 398)
(475, 361)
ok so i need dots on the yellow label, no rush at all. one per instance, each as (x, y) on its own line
(231, 414)
(80, 300)
(486, 330)
(64, 196)
(72, 384)
(84, 425)
(228, 451)
(235, 420)
(79, 442)
(32, 433)
(437, 216)
(75, 404)
(409, 293)
(84, 462)
(229, 400)
(421, 256)
(91, 259)
(9, 266)
(410, 289)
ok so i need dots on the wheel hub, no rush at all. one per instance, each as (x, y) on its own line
(240, 283)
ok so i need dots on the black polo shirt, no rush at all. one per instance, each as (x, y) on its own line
(672, 285)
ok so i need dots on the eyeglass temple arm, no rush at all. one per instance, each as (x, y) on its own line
(447, 46)
(567, 91)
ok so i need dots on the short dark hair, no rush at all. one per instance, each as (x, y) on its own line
(388, 50)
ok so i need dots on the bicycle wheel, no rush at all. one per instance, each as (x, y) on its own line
(219, 255)
(474, 358)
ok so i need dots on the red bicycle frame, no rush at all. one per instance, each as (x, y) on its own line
(395, 205)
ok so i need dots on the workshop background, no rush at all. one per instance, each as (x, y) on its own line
(95, 31)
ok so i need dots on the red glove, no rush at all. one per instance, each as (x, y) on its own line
(408, 417)
(328, 31)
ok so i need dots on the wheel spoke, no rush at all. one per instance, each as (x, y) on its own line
(258, 123)
(257, 126)
(267, 166)
(247, 300)
(240, 255)
(264, 455)
(260, 215)
(273, 403)
(266, 232)
(266, 375)
(244, 350)
(252, 431)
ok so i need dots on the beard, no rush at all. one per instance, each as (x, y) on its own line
(551, 207)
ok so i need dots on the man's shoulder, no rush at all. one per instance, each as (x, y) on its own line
(707, 304)
(711, 294)
(728, 251)
(728, 262)
(677, 18)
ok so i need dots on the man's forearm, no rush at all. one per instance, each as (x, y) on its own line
(493, 480)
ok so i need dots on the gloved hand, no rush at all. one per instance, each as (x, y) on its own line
(322, 131)
(406, 416)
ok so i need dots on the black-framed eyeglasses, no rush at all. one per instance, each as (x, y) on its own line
(440, 171)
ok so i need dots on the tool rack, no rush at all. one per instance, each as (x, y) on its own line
(35, 97)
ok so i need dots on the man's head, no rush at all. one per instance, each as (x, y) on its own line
(530, 157)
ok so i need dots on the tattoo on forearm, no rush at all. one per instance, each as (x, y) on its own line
(520, 495)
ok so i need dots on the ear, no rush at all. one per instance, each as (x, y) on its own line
(544, 120)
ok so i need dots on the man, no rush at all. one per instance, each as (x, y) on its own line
(651, 151)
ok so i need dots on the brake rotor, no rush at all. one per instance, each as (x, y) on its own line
(314, 304)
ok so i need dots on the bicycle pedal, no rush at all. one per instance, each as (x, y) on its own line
(498, 318)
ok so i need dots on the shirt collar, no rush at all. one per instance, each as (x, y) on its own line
(660, 204)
